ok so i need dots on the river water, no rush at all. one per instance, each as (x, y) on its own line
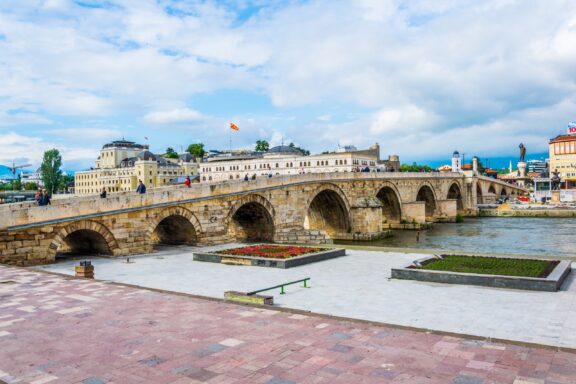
(520, 235)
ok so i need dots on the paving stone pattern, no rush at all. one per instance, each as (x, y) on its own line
(63, 330)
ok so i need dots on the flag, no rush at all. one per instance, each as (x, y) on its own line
(234, 127)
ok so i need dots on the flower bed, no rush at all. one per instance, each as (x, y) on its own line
(271, 251)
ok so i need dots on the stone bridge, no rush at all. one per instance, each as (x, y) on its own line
(310, 208)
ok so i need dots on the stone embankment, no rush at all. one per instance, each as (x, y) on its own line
(552, 212)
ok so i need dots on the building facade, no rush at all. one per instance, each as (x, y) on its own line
(287, 160)
(563, 159)
(122, 163)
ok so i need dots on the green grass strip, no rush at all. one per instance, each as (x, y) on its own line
(491, 266)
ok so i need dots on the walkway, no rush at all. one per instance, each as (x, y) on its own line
(358, 286)
(58, 330)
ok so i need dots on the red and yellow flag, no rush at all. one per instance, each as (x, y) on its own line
(234, 127)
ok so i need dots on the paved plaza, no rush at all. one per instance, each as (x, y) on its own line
(55, 329)
(358, 286)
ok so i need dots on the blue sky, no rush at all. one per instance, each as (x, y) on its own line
(420, 77)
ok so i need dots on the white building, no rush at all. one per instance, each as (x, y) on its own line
(288, 160)
(33, 177)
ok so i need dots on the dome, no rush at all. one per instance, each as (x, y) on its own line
(123, 144)
(285, 149)
(456, 153)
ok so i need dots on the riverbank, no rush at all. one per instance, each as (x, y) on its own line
(552, 212)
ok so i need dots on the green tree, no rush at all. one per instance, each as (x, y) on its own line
(304, 151)
(196, 150)
(415, 168)
(262, 145)
(30, 186)
(171, 153)
(50, 171)
(17, 184)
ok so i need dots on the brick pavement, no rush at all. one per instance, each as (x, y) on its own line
(60, 330)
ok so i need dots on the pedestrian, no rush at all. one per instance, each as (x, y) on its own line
(246, 177)
(103, 193)
(254, 177)
(418, 236)
(187, 181)
(37, 194)
(44, 199)
(141, 188)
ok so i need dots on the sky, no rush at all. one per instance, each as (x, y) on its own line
(420, 77)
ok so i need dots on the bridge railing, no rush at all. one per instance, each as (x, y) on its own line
(27, 212)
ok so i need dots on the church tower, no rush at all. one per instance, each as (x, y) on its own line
(456, 167)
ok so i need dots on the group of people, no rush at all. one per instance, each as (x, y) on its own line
(42, 197)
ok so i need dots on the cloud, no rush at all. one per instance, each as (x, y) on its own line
(174, 116)
(85, 133)
(30, 149)
(420, 77)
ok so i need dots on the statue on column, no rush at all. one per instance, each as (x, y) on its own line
(555, 180)
(522, 152)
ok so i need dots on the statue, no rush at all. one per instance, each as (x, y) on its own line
(555, 181)
(522, 152)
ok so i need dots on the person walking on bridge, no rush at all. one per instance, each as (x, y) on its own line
(187, 181)
(141, 188)
(44, 199)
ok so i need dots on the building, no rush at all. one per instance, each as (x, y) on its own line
(537, 166)
(456, 166)
(122, 163)
(287, 160)
(33, 177)
(563, 158)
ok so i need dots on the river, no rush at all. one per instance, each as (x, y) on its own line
(519, 235)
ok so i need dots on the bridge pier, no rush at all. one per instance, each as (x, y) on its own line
(414, 211)
(446, 210)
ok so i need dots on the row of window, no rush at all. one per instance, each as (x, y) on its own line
(319, 163)
(565, 148)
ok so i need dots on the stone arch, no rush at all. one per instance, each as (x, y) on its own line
(427, 195)
(492, 189)
(251, 218)
(83, 237)
(504, 192)
(174, 226)
(328, 210)
(391, 203)
(455, 192)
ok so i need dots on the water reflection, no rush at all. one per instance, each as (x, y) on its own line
(533, 236)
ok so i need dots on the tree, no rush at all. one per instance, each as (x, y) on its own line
(196, 150)
(171, 153)
(415, 168)
(31, 186)
(262, 145)
(304, 151)
(50, 171)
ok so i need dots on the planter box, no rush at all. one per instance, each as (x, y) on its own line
(551, 283)
(269, 262)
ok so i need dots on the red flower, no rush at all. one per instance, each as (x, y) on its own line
(271, 251)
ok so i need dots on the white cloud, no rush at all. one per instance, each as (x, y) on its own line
(174, 116)
(85, 133)
(444, 73)
(30, 149)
